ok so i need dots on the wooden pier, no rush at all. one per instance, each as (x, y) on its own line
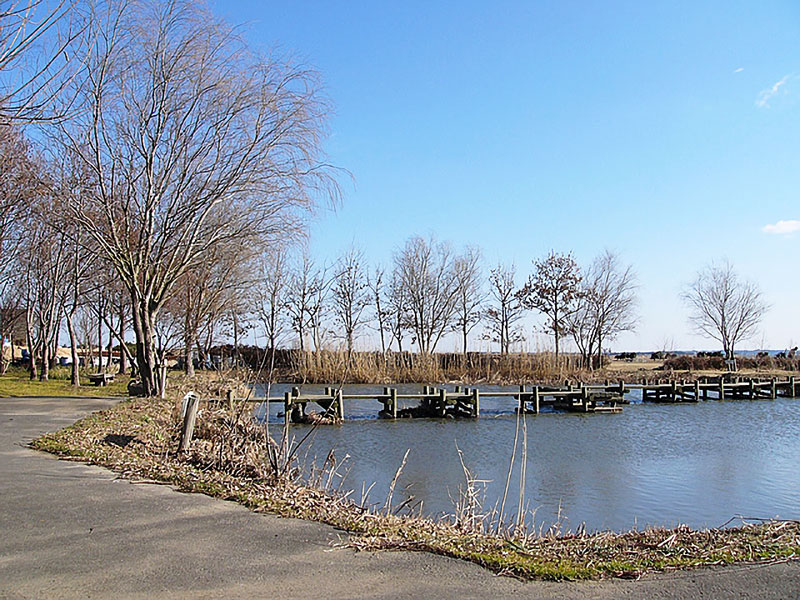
(464, 402)
(459, 403)
(720, 388)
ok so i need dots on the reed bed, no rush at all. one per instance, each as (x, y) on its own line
(235, 458)
(326, 366)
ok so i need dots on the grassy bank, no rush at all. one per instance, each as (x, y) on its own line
(231, 458)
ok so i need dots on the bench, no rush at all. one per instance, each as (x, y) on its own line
(101, 378)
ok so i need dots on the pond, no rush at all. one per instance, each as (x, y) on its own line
(652, 464)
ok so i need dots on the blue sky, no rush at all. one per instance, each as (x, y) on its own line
(668, 132)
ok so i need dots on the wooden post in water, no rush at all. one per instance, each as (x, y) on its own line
(443, 402)
(674, 391)
(393, 401)
(536, 398)
(721, 388)
(287, 407)
(584, 399)
(792, 391)
(340, 404)
(697, 390)
(774, 388)
(476, 402)
(191, 402)
(752, 389)
(522, 399)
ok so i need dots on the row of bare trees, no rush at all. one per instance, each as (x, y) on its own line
(432, 291)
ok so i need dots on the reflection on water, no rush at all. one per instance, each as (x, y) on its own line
(698, 464)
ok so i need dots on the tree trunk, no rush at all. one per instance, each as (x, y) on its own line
(45, 374)
(100, 338)
(6, 364)
(235, 340)
(145, 346)
(73, 346)
(110, 345)
(123, 356)
(31, 351)
(555, 335)
(54, 350)
(188, 351)
(599, 353)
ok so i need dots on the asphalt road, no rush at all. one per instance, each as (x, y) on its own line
(69, 530)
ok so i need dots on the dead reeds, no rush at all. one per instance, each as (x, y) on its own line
(325, 366)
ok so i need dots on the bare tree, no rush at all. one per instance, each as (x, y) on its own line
(39, 41)
(319, 307)
(724, 307)
(377, 288)
(350, 294)
(45, 273)
(270, 295)
(612, 289)
(194, 142)
(19, 188)
(553, 290)
(304, 281)
(469, 293)
(604, 307)
(582, 325)
(78, 265)
(207, 293)
(426, 271)
(396, 308)
(506, 309)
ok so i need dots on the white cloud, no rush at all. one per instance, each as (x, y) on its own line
(764, 96)
(782, 227)
(739, 70)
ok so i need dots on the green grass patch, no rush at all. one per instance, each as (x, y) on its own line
(18, 383)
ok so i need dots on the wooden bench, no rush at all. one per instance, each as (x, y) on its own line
(101, 378)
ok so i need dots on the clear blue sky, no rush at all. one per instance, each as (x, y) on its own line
(669, 132)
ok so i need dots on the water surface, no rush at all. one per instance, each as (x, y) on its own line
(653, 464)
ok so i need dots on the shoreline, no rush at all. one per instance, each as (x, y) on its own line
(137, 438)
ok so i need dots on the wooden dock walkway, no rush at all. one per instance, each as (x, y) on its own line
(719, 388)
(464, 402)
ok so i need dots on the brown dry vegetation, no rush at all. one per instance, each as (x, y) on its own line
(375, 367)
(230, 459)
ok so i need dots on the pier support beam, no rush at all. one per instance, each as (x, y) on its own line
(339, 405)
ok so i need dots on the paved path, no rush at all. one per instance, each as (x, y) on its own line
(68, 530)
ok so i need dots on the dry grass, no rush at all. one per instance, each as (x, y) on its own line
(231, 459)
(328, 366)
